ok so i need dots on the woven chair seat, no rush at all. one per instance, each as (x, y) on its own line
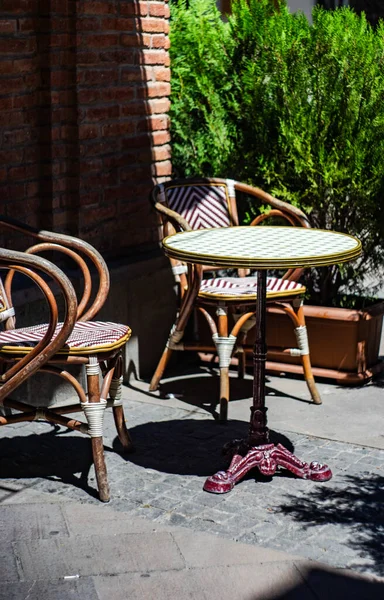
(88, 337)
(242, 288)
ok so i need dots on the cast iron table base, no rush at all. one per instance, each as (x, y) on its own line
(267, 458)
(256, 451)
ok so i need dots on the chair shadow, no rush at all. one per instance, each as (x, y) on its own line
(190, 446)
(54, 456)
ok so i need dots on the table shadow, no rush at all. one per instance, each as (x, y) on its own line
(189, 446)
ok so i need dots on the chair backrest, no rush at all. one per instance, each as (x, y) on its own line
(203, 205)
(210, 202)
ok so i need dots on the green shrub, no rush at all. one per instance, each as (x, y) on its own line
(297, 109)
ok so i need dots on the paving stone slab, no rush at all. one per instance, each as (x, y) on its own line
(239, 582)
(31, 521)
(73, 589)
(97, 555)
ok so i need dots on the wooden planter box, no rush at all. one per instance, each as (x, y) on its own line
(344, 343)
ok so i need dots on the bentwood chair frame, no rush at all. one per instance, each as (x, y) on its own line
(185, 204)
(76, 340)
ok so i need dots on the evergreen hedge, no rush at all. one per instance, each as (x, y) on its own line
(267, 98)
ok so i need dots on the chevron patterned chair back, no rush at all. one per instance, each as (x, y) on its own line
(201, 203)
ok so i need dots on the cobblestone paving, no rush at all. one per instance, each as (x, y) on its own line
(339, 522)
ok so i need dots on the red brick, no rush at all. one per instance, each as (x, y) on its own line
(62, 40)
(157, 9)
(149, 25)
(162, 168)
(139, 141)
(21, 6)
(90, 198)
(17, 45)
(117, 94)
(98, 77)
(88, 24)
(158, 89)
(14, 192)
(90, 217)
(133, 40)
(98, 40)
(90, 165)
(131, 74)
(96, 8)
(128, 57)
(87, 132)
(158, 41)
(17, 136)
(6, 104)
(160, 105)
(121, 128)
(134, 8)
(100, 146)
(11, 118)
(167, 44)
(68, 132)
(25, 65)
(32, 189)
(117, 24)
(153, 123)
(3, 174)
(162, 73)
(160, 153)
(134, 109)
(88, 96)
(60, 23)
(7, 25)
(154, 57)
(88, 58)
(160, 137)
(102, 113)
(23, 172)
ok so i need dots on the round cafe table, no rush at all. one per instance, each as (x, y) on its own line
(261, 248)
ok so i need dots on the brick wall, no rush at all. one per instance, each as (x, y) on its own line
(84, 89)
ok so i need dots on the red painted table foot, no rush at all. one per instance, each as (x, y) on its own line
(266, 458)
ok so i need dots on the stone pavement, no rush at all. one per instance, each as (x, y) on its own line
(162, 535)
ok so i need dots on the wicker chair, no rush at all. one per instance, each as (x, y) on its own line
(204, 203)
(77, 340)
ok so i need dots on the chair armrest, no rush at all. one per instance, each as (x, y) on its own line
(48, 346)
(295, 212)
(60, 241)
(177, 220)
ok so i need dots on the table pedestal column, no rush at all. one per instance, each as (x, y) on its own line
(256, 451)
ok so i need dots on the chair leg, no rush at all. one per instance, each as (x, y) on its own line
(115, 393)
(94, 411)
(296, 313)
(302, 341)
(224, 393)
(121, 428)
(224, 345)
(164, 360)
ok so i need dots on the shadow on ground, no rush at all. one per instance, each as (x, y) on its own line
(357, 506)
(330, 585)
(189, 446)
(52, 455)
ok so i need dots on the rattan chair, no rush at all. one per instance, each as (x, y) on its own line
(204, 203)
(76, 340)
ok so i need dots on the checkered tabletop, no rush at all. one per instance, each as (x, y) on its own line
(262, 247)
